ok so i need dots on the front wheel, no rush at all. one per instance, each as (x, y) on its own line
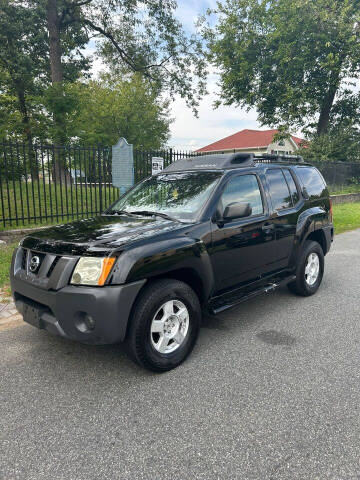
(310, 270)
(164, 325)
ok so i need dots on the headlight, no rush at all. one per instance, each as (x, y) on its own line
(92, 270)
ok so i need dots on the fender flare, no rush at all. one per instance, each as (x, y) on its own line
(309, 221)
(159, 258)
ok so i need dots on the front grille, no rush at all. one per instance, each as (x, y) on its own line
(23, 259)
(52, 266)
(51, 271)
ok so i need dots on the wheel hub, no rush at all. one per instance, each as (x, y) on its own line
(312, 269)
(169, 326)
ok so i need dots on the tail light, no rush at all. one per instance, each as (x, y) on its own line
(331, 211)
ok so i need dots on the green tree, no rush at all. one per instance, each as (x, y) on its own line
(66, 60)
(108, 109)
(22, 65)
(28, 99)
(293, 61)
(337, 145)
(133, 36)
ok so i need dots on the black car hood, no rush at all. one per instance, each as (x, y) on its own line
(98, 233)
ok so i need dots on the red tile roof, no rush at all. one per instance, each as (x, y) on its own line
(299, 141)
(245, 139)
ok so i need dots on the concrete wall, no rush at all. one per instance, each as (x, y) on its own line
(345, 198)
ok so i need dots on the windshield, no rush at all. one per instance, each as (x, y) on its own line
(178, 195)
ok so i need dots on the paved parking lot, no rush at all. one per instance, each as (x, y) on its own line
(272, 391)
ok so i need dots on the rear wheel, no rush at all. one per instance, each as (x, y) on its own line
(164, 325)
(310, 270)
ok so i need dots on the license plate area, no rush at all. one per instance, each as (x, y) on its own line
(32, 315)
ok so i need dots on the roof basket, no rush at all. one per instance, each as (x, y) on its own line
(241, 159)
(270, 158)
(213, 161)
(219, 161)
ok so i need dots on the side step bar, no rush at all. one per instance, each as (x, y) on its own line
(225, 302)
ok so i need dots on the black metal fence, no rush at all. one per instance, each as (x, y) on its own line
(143, 160)
(340, 176)
(53, 184)
(46, 183)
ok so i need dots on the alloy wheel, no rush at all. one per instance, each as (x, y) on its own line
(169, 326)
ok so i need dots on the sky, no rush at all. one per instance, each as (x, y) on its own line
(187, 131)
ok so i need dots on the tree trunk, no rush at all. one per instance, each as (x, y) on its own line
(324, 117)
(59, 171)
(24, 113)
(52, 18)
(34, 168)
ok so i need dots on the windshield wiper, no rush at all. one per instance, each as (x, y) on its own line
(156, 214)
(118, 212)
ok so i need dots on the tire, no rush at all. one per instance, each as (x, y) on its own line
(303, 285)
(148, 347)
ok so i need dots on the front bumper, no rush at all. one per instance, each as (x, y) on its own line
(61, 311)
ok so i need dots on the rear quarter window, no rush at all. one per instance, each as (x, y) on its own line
(312, 181)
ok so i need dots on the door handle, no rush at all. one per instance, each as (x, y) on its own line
(268, 227)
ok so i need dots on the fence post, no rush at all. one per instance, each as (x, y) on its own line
(100, 182)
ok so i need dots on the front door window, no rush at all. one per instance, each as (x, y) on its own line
(243, 188)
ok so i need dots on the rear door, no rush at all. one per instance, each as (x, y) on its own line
(285, 197)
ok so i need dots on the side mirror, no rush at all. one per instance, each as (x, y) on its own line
(305, 193)
(237, 210)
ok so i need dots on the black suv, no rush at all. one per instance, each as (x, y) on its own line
(208, 232)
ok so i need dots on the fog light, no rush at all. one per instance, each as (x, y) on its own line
(90, 322)
(84, 322)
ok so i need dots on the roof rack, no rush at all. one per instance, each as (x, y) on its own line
(271, 157)
(215, 161)
(221, 161)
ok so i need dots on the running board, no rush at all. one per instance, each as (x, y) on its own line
(225, 302)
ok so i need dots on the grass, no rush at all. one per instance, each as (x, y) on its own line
(346, 217)
(5, 261)
(33, 199)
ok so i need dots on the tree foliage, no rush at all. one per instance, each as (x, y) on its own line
(296, 61)
(45, 92)
(23, 67)
(337, 145)
(142, 36)
(110, 109)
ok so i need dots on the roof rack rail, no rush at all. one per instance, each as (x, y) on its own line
(272, 157)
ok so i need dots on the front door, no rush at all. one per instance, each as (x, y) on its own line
(242, 249)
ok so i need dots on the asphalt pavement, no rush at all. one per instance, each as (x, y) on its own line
(271, 391)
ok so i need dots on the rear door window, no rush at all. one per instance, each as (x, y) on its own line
(292, 186)
(312, 181)
(279, 190)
